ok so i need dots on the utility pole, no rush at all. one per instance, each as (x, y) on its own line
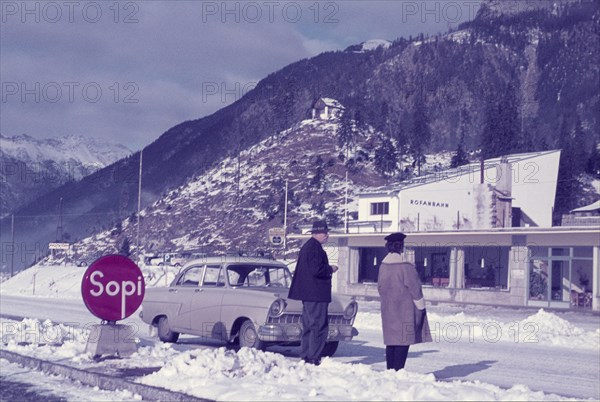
(346, 204)
(137, 241)
(285, 219)
(59, 226)
(12, 254)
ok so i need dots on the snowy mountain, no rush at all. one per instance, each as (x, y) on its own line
(32, 167)
(369, 45)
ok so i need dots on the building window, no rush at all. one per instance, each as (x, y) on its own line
(561, 276)
(380, 208)
(433, 265)
(369, 261)
(486, 267)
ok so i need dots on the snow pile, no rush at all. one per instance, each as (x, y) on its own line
(553, 330)
(43, 340)
(250, 374)
(543, 327)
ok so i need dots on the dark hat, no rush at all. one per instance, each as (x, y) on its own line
(319, 227)
(395, 237)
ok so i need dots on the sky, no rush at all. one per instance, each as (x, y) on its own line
(127, 71)
(478, 353)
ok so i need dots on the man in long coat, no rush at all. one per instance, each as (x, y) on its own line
(403, 314)
(312, 284)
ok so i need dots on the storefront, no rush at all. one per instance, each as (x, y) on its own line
(541, 267)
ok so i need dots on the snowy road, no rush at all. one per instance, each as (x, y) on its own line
(569, 369)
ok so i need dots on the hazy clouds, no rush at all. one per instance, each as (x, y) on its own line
(129, 70)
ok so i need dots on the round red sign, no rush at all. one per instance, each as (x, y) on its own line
(113, 287)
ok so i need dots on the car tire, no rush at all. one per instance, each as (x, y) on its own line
(330, 349)
(164, 331)
(249, 337)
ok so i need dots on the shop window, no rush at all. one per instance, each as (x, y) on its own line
(433, 265)
(538, 280)
(558, 252)
(561, 276)
(583, 252)
(369, 260)
(380, 208)
(486, 267)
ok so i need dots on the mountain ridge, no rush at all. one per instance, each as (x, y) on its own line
(32, 167)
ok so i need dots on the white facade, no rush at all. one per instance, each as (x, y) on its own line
(456, 199)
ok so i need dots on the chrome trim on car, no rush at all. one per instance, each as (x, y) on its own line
(297, 319)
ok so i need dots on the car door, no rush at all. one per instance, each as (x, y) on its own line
(182, 294)
(206, 303)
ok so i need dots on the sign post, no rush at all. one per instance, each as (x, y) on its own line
(113, 288)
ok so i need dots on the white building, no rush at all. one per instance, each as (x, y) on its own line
(474, 241)
(326, 108)
(515, 190)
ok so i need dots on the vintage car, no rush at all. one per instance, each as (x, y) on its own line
(238, 299)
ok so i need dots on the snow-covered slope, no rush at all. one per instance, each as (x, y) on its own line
(369, 45)
(233, 204)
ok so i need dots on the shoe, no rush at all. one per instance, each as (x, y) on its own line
(316, 362)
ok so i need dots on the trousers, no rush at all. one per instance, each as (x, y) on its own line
(395, 356)
(315, 329)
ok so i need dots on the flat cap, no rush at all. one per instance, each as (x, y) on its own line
(395, 237)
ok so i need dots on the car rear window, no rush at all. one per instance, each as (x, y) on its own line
(255, 275)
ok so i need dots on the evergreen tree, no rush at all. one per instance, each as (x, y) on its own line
(317, 180)
(421, 133)
(460, 156)
(572, 165)
(125, 248)
(593, 163)
(502, 129)
(345, 133)
(386, 158)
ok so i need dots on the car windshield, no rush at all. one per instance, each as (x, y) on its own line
(256, 275)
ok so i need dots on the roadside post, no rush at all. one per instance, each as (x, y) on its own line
(113, 288)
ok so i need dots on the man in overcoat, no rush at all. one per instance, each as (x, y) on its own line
(403, 314)
(312, 285)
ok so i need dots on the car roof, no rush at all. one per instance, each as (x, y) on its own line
(234, 260)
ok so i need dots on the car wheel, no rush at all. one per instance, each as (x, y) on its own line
(164, 332)
(330, 348)
(249, 338)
